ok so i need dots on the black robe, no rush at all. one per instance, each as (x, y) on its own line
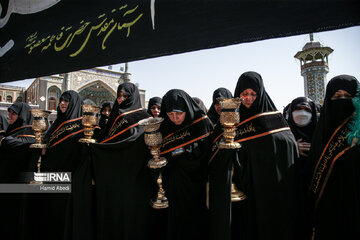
(305, 133)
(263, 170)
(334, 190)
(14, 160)
(186, 148)
(53, 211)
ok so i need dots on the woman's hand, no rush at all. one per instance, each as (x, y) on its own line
(303, 147)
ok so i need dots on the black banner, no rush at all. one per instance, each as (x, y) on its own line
(39, 38)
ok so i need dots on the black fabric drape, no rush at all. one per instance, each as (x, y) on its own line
(264, 170)
(184, 176)
(124, 188)
(218, 93)
(337, 215)
(14, 160)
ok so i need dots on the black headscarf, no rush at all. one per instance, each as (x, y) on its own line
(131, 103)
(153, 101)
(201, 103)
(333, 112)
(262, 103)
(305, 132)
(103, 118)
(73, 111)
(218, 93)
(177, 100)
(25, 117)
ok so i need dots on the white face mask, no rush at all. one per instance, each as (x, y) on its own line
(301, 118)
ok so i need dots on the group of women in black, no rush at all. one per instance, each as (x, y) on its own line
(300, 176)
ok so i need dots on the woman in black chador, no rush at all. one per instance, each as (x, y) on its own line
(263, 170)
(215, 110)
(185, 132)
(125, 114)
(335, 153)
(53, 211)
(154, 106)
(105, 114)
(123, 185)
(14, 160)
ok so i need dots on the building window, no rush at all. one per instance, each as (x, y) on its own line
(52, 103)
(9, 99)
(0, 98)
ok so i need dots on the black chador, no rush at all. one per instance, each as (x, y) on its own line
(334, 189)
(124, 117)
(14, 152)
(263, 170)
(122, 179)
(186, 148)
(218, 93)
(53, 211)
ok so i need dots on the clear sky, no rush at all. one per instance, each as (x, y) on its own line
(199, 73)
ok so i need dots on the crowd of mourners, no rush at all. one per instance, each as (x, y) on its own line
(298, 170)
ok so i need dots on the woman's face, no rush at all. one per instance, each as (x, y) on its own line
(218, 108)
(106, 111)
(63, 105)
(12, 116)
(121, 98)
(155, 110)
(249, 97)
(177, 117)
(341, 94)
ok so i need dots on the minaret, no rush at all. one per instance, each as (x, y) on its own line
(314, 67)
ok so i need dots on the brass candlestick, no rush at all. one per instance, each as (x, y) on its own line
(229, 117)
(153, 140)
(40, 125)
(160, 201)
(34, 182)
(236, 195)
(89, 121)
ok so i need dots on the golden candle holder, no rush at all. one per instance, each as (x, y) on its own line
(229, 117)
(40, 125)
(89, 120)
(153, 139)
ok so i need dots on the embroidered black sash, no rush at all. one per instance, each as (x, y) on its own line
(254, 127)
(65, 130)
(123, 123)
(334, 149)
(191, 133)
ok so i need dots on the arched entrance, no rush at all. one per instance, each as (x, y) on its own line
(97, 93)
